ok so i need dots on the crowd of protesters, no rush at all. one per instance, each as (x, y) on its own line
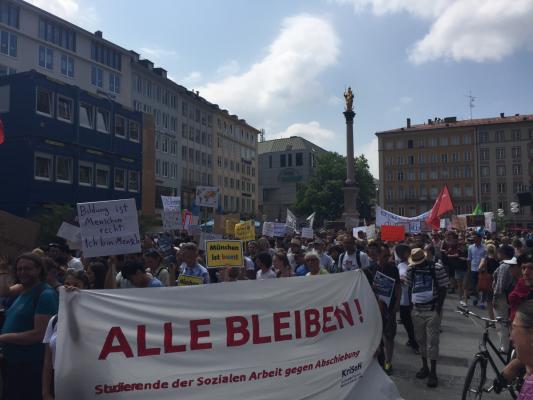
(486, 270)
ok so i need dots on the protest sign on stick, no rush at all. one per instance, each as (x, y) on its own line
(308, 233)
(171, 203)
(245, 230)
(392, 233)
(109, 228)
(189, 280)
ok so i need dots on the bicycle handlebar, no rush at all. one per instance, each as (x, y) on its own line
(466, 312)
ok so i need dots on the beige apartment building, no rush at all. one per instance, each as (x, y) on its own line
(481, 160)
(235, 169)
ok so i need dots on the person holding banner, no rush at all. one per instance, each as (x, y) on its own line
(135, 272)
(154, 261)
(24, 326)
(190, 265)
(282, 265)
(312, 260)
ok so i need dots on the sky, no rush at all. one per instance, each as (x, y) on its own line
(284, 65)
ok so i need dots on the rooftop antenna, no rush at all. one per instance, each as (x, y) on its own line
(471, 102)
(262, 135)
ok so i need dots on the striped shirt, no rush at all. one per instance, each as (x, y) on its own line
(420, 279)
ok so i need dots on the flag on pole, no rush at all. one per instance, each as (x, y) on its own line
(442, 205)
(2, 136)
(311, 220)
(291, 220)
(478, 210)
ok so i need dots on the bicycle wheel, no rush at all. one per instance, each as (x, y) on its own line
(475, 378)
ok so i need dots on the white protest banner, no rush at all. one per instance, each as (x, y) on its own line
(308, 233)
(69, 232)
(268, 229)
(207, 236)
(384, 287)
(171, 220)
(270, 339)
(171, 203)
(207, 196)
(291, 220)
(412, 224)
(109, 228)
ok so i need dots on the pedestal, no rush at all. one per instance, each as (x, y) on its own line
(350, 216)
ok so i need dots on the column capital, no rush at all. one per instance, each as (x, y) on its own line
(349, 115)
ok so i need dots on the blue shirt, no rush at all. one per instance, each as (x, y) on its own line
(475, 255)
(20, 318)
(154, 282)
(301, 270)
(197, 270)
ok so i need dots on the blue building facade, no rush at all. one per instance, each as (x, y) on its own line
(65, 145)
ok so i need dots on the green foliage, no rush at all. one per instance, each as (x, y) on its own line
(149, 223)
(50, 217)
(323, 194)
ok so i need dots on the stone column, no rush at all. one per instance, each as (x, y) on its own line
(350, 216)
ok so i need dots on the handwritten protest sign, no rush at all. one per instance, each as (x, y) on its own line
(69, 232)
(384, 286)
(171, 220)
(188, 280)
(459, 222)
(171, 203)
(371, 232)
(274, 229)
(17, 235)
(221, 253)
(308, 233)
(391, 233)
(207, 196)
(245, 230)
(109, 228)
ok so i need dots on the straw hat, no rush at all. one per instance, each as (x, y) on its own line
(418, 256)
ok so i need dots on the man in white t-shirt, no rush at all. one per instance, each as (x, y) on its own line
(352, 258)
(264, 262)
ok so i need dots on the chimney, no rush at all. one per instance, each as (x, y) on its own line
(408, 122)
(502, 115)
(99, 34)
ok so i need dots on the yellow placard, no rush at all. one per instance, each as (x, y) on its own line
(230, 226)
(245, 230)
(222, 253)
(188, 280)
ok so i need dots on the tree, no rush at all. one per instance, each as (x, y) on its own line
(323, 194)
(50, 217)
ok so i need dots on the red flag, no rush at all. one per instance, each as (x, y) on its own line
(442, 205)
(2, 136)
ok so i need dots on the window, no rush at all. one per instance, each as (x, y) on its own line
(299, 159)
(516, 152)
(455, 157)
(444, 158)
(97, 76)
(410, 144)
(410, 160)
(421, 159)
(120, 126)
(468, 156)
(64, 108)
(516, 134)
(9, 14)
(455, 140)
(133, 181)
(6, 70)
(57, 34)
(422, 174)
(289, 160)
(114, 83)
(173, 147)
(500, 170)
(469, 191)
(164, 147)
(484, 154)
(106, 55)
(191, 133)
(433, 192)
(269, 161)
(282, 160)
(483, 137)
(456, 172)
(191, 155)
(102, 176)
(46, 58)
(433, 142)
(120, 178)
(389, 145)
(197, 157)
(399, 144)
(43, 167)
(134, 131)
(157, 141)
(467, 139)
(44, 102)
(519, 187)
(444, 172)
(500, 136)
(184, 153)
(433, 173)
(456, 191)
(517, 170)
(411, 175)
(63, 169)
(86, 115)
(501, 187)
(102, 120)
(67, 65)
(400, 176)
(389, 176)
(468, 172)
(85, 173)
(484, 171)
(8, 44)
(400, 160)
(443, 141)
(500, 153)
(485, 188)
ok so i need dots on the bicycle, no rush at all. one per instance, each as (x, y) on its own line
(476, 377)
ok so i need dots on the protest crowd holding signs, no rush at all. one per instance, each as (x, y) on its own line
(249, 311)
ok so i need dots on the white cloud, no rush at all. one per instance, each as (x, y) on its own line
(285, 76)
(156, 52)
(311, 131)
(75, 11)
(370, 150)
(406, 100)
(334, 100)
(192, 79)
(230, 67)
(474, 30)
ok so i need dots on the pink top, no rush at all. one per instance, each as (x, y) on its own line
(527, 389)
